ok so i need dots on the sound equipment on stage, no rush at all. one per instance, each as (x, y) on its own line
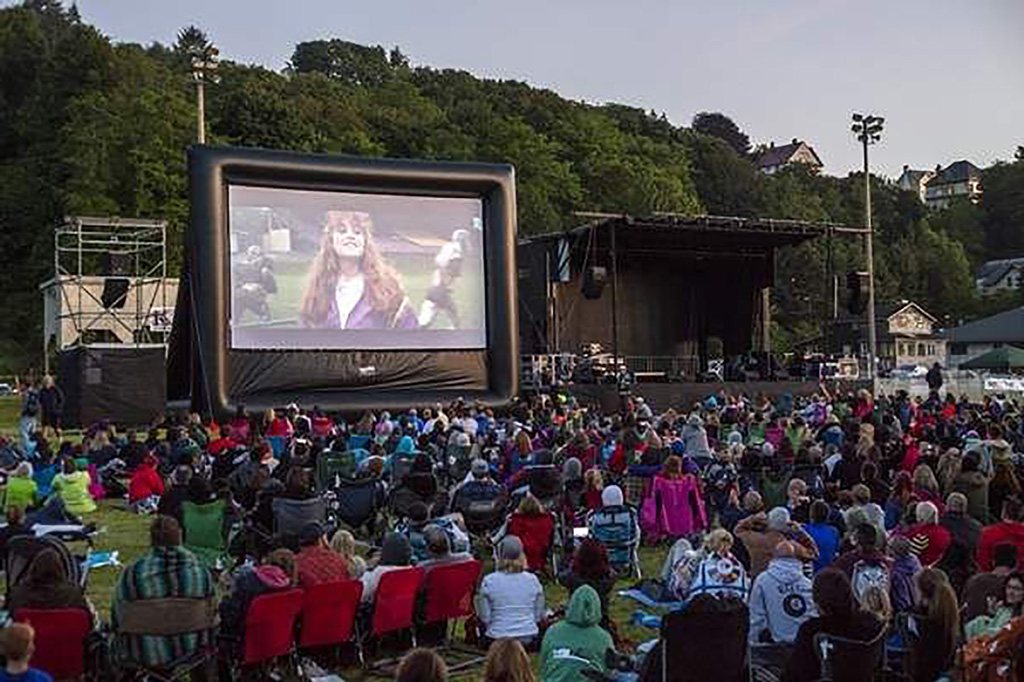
(857, 292)
(594, 279)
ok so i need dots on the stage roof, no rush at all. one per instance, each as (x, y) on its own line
(710, 233)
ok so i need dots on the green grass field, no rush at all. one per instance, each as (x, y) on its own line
(126, 532)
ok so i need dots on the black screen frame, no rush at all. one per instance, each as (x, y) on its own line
(213, 169)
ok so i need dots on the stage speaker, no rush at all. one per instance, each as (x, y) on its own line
(857, 292)
(115, 292)
(594, 279)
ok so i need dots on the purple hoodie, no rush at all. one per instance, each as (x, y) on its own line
(902, 589)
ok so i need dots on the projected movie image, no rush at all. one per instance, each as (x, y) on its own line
(350, 271)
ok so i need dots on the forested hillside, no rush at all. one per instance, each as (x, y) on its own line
(96, 128)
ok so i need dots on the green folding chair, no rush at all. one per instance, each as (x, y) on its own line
(204, 532)
(333, 464)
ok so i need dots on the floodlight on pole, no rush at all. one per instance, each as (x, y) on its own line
(204, 67)
(868, 130)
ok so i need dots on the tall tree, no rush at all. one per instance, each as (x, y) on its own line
(724, 128)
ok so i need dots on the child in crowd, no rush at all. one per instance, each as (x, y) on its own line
(18, 643)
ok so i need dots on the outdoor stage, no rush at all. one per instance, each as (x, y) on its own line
(660, 286)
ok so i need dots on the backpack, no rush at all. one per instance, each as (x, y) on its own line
(868, 574)
(719, 577)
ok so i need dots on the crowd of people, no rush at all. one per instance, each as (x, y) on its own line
(894, 521)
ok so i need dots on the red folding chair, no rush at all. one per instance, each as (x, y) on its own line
(395, 603)
(448, 592)
(61, 637)
(537, 533)
(270, 627)
(329, 614)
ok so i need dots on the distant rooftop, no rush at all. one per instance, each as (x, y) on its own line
(992, 271)
(958, 171)
(780, 155)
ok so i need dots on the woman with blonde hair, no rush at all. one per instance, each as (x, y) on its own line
(510, 601)
(507, 661)
(926, 486)
(344, 543)
(349, 284)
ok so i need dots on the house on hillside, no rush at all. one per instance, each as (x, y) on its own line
(906, 336)
(974, 338)
(1000, 275)
(773, 158)
(959, 179)
(915, 181)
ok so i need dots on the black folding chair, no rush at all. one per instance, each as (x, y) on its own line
(849, 660)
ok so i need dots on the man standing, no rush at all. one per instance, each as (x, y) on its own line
(51, 400)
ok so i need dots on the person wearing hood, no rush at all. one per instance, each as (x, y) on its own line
(695, 438)
(576, 643)
(780, 601)
(395, 554)
(275, 574)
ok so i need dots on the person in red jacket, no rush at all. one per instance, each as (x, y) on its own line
(1008, 531)
(146, 486)
(928, 540)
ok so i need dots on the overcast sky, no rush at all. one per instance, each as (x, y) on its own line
(948, 75)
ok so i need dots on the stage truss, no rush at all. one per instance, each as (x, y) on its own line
(110, 284)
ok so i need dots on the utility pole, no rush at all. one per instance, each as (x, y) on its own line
(204, 66)
(869, 131)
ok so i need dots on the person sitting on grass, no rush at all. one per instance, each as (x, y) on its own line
(576, 643)
(21, 488)
(146, 486)
(72, 487)
(18, 644)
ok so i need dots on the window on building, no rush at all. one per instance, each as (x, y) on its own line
(920, 349)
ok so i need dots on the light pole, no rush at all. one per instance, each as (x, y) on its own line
(204, 66)
(868, 130)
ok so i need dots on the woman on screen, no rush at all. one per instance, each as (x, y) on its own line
(349, 285)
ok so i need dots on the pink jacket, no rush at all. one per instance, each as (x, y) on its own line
(680, 511)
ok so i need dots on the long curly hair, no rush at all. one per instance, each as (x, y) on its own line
(383, 285)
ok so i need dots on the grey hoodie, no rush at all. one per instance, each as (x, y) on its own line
(780, 601)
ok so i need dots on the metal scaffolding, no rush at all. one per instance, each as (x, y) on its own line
(110, 284)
